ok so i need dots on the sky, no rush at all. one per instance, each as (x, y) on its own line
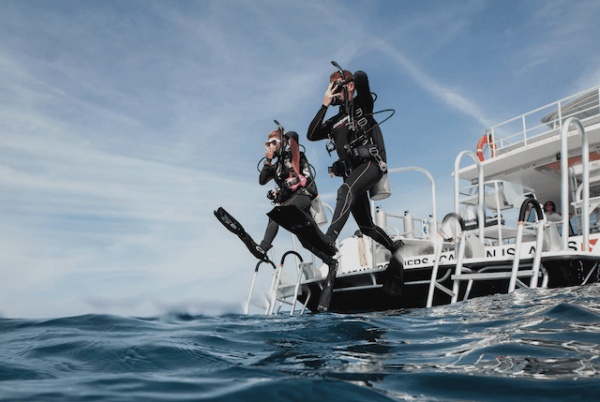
(125, 124)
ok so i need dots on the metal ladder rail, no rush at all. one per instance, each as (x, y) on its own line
(299, 262)
(564, 183)
(430, 177)
(299, 267)
(483, 275)
(590, 273)
(519, 241)
(292, 303)
(594, 202)
(254, 283)
(381, 218)
(458, 270)
(433, 215)
(276, 283)
(273, 290)
(481, 190)
(433, 283)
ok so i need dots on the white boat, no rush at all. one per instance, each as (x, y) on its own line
(497, 245)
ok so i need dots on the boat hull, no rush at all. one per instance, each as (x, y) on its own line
(363, 292)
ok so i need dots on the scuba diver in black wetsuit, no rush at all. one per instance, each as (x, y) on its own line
(295, 186)
(357, 138)
(291, 172)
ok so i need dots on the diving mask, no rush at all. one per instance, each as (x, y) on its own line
(273, 142)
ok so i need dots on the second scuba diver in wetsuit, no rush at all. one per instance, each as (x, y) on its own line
(291, 172)
(359, 144)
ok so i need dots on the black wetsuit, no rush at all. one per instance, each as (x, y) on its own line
(301, 197)
(360, 173)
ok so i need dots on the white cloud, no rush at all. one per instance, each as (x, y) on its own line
(558, 32)
(448, 96)
(121, 132)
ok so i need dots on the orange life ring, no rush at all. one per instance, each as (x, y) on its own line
(485, 139)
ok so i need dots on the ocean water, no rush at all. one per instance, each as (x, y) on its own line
(539, 345)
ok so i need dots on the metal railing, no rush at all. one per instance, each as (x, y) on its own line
(521, 130)
(564, 182)
(481, 190)
(430, 177)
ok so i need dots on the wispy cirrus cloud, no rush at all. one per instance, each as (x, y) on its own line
(453, 98)
(124, 125)
(558, 32)
(119, 139)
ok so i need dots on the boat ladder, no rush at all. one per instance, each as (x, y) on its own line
(462, 273)
(281, 290)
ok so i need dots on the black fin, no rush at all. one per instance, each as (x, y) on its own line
(236, 228)
(394, 278)
(229, 222)
(325, 299)
(253, 247)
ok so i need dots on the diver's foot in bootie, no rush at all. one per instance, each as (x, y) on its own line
(263, 248)
(254, 248)
(397, 245)
(325, 299)
(393, 282)
(327, 239)
(262, 252)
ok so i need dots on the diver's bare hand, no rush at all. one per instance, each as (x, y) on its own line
(329, 94)
(270, 152)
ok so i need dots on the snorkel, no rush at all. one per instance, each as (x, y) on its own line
(341, 86)
(281, 144)
(337, 100)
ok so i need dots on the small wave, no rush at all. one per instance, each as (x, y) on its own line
(541, 343)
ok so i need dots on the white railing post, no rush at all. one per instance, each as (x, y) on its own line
(247, 307)
(480, 214)
(430, 177)
(537, 259)
(436, 265)
(556, 121)
(564, 182)
(462, 243)
(515, 266)
(560, 125)
(495, 147)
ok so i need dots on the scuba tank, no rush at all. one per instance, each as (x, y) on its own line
(430, 230)
(317, 212)
(381, 190)
(381, 218)
(409, 225)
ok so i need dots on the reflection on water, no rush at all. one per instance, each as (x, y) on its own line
(541, 343)
(547, 334)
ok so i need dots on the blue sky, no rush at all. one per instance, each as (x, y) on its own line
(125, 124)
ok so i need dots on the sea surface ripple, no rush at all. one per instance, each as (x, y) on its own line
(538, 345)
